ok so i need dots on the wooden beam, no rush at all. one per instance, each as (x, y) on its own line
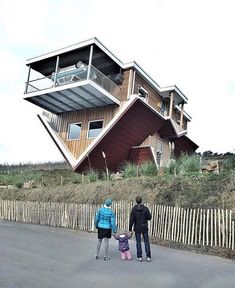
(56, 69)
(181, 115)
(130, 83)
(90, 62)
(27, 83)
(171, 104)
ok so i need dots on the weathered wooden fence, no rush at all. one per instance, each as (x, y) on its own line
(211, 227)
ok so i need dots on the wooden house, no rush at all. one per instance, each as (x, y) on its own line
(101, 112)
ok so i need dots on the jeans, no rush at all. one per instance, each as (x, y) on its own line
(146, 244)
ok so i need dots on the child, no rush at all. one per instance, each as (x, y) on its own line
(123, 245)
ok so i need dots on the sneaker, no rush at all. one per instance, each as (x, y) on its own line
(148, 259)
(96, 257)
(106, 258)
(140, 259)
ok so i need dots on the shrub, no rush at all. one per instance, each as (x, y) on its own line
(129, 170)
(93, 175)
(19, 184)
(148, 169)
(77, 179)
(171, 168)
(188, 165)
(229, 162)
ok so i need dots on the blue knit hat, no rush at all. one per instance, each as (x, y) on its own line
(108, 202)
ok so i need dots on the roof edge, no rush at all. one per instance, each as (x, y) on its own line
(60, 145)
(132, 64)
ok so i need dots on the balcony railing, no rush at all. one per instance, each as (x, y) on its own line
(72, 75)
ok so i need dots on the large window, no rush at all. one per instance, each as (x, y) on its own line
(74, 131)
(95, 128)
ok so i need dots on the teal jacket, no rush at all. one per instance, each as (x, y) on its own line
(105, 218)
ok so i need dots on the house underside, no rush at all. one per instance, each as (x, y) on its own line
(120, 141)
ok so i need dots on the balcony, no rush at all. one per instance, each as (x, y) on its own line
(73, 88)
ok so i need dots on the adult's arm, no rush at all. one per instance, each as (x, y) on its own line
(97, 218)
(113, 223)
(131, 222)
(148, 214)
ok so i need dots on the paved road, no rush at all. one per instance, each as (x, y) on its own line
(33, 256)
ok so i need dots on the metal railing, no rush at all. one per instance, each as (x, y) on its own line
(73, 75)
(104, 82)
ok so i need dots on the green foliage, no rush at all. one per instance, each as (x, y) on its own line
(229, 162)
(184, 165)
(77, 179)
(148, 169)
(19, 184)
(12, 178)
(129, 170)
(187, 165)
(171, 168)
(93, 175)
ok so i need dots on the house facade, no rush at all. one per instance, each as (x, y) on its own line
(102, 113)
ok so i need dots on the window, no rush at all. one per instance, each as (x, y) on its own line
(74, 131)
(163, 108)
(95, 128)
(142, 93)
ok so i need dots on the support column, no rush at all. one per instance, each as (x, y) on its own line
(182, 115)
(171, 104)
(27, 83)
(56, 69)
(133, 83)
(130, 83)
(90, 61)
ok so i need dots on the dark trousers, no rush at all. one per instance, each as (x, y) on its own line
(146, 244)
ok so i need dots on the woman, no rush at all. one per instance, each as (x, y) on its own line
(105, 222)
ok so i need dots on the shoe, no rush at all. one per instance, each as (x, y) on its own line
(106, 258)
(148, 259)
(140, 259)
(96, 257)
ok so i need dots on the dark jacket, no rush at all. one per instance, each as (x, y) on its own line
(140, 215)
(123, 244)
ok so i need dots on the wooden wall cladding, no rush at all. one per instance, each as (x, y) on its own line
(61, 122)
(124, 86)
(154, 99)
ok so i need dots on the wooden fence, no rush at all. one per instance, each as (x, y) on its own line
(210, 227)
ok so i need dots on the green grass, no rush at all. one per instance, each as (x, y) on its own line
(184, 165)
(129, 170)
(180, 183)
(148, 169)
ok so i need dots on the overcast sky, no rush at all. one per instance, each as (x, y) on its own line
(187, 43)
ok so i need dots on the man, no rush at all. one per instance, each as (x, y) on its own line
(140, 215)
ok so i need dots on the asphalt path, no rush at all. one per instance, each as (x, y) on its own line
(33, 256)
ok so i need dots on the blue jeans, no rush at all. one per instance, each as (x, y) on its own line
(146, 244)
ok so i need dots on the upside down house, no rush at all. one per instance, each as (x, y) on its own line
(102, 113)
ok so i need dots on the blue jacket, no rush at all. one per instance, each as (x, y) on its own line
(105, 218)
